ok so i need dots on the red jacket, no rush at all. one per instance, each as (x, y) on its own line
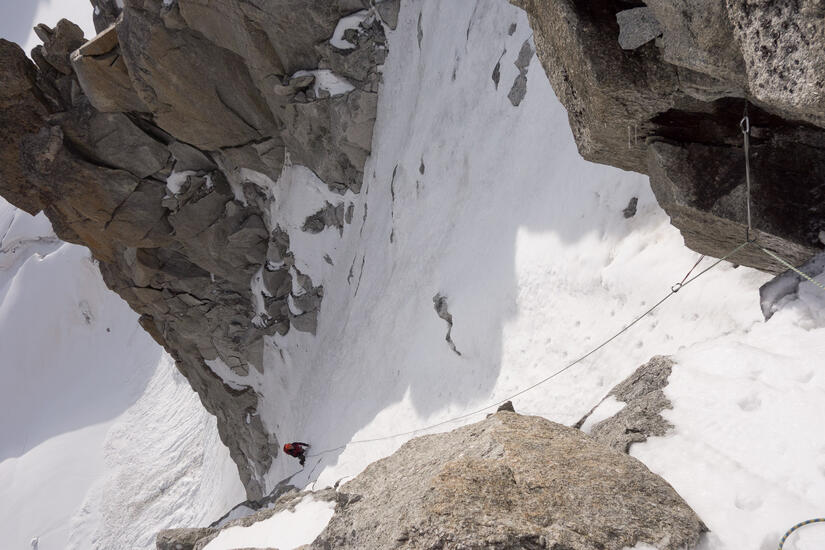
(295, 449)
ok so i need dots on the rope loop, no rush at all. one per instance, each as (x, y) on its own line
(745, 125)
(797, 526)
(676, 288)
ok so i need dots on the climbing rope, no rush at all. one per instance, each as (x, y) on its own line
(673, 290)
(679, 285)
(797, 526)
(745, 126)
(791, 267)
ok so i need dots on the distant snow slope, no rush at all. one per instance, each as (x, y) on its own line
(102, 442)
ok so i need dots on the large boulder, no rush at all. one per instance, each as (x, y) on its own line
(509, 482)
(661, 88)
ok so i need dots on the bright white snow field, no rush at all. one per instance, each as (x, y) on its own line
(102, 441)
(489, 205)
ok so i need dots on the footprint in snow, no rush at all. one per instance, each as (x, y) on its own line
(750, 403)
(805, 378)
(748, 502)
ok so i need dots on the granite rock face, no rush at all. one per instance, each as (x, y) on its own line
(659, 87)
(510, 481)
(158, 145)
(507, 482)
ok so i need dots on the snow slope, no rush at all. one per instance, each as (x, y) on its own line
(469, 197)
(101, 440)
(489, 205)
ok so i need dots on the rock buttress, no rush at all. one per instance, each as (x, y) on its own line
(659, 87)
(157, 144)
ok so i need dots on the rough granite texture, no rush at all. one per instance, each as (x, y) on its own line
(659, 87)
(509, 482)
(641, 416)
(206, 89)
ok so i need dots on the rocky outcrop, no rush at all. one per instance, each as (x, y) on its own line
(158, 143)
(507, 482)
(510, 481)
(644, 401)
(659, 87)
(198, 538)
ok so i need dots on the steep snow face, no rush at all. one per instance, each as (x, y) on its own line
(474, 192)
(488, 205)
(101, 440)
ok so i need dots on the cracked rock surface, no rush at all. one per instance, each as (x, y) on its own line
(659, 87)
(508, 482)
(157, 144)
(644, 402)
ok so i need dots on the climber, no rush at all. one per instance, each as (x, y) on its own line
(297, 449)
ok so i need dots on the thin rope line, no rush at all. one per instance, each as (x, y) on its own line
(674, 289)
(745, 125)
(791, 267)
(797, 526)
(702, 257)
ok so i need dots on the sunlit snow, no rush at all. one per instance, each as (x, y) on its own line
(466, 196)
